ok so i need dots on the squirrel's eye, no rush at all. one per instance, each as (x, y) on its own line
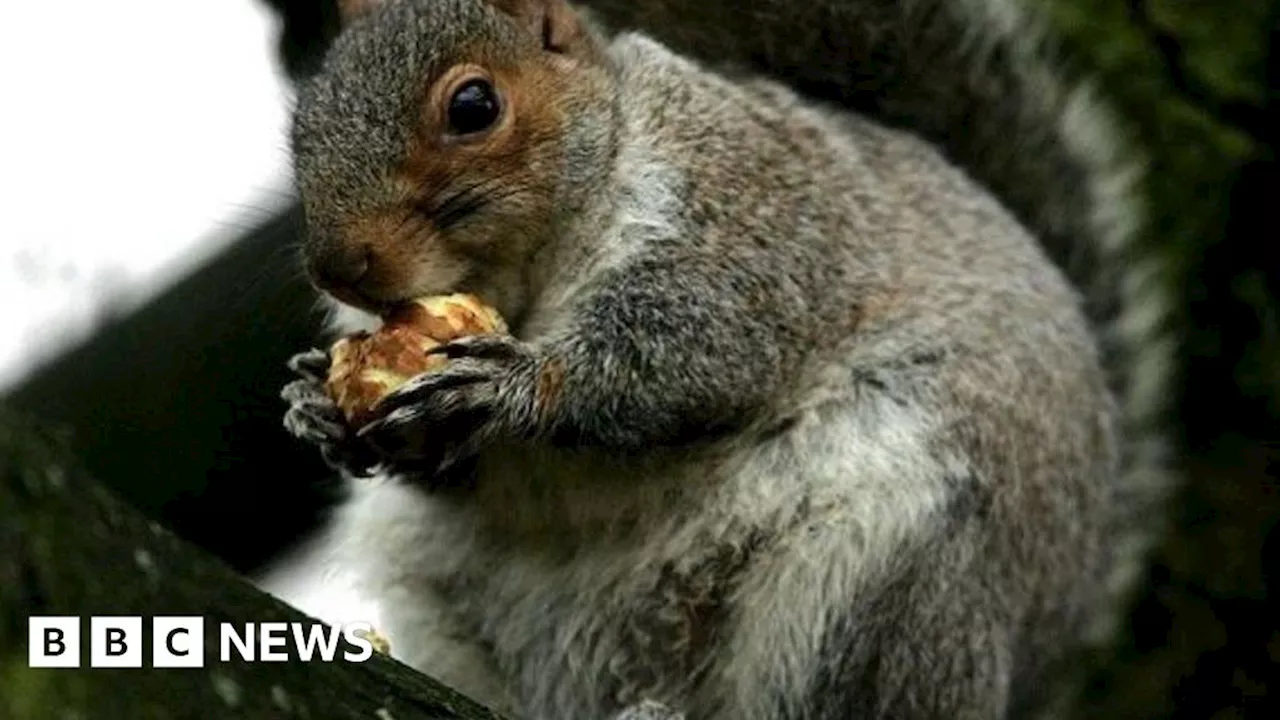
(473, 108)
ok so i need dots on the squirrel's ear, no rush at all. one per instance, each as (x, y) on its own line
(349, 10)
(552, 20)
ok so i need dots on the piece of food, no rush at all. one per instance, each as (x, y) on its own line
(367, 367)
(379, 641)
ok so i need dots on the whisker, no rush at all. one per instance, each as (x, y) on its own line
(465, 201)
(468, 199)
(475, 204)
(465, 192)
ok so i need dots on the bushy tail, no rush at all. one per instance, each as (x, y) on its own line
(977, 79)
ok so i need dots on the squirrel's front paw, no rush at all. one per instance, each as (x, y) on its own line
(487, 392)
(314, 417)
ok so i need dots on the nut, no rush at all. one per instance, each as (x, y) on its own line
(366, 367)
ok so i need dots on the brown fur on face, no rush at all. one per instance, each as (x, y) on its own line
(403, 248)
(499, 169)
(467, 200)
(454, 209)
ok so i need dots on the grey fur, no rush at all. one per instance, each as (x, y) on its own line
(980, 79)
(831, 433)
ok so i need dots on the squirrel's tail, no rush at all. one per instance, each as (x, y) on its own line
(976, 78)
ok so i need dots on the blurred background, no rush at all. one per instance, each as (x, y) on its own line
(139, 139)
(150, 294)
(148, 280)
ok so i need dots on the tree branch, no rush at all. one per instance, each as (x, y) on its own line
(69, 547)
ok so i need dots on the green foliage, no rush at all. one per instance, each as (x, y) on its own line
(1192, 83)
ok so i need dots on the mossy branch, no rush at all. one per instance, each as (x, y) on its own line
(69, 547)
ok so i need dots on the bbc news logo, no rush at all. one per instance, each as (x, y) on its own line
(178, 642)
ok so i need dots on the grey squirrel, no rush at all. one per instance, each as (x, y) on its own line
(833, 375)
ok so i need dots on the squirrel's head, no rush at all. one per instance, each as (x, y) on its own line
(443, 141)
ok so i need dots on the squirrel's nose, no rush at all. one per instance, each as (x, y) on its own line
(340, 267)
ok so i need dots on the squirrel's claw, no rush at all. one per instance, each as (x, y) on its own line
(458, 373)
(488, 346)
(438, 414)
(309, 422)
(444, 416)
(312, 364)
(314, 418)
(311, 414)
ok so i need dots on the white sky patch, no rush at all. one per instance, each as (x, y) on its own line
(136, 138)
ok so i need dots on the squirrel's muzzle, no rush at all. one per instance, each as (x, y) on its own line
(340, 267)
